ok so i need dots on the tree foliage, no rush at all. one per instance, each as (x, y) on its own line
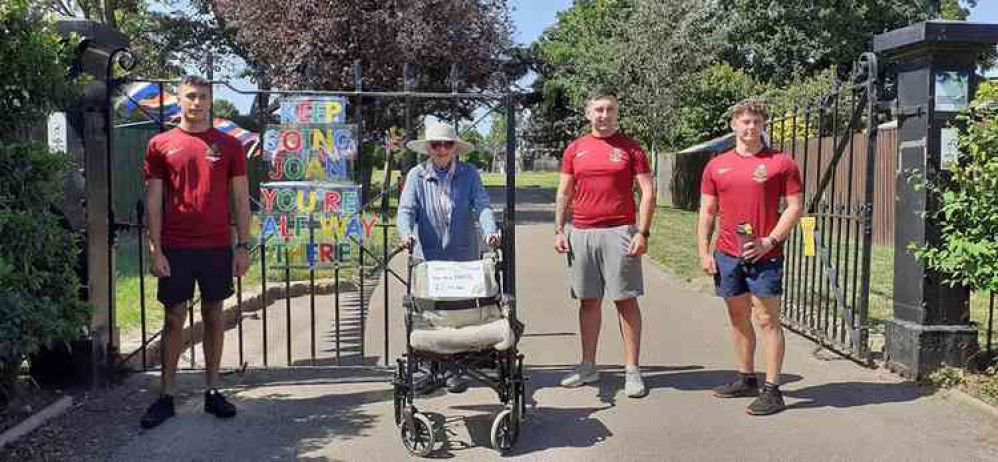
(570, 59)
(172, 39)
(704, 105)
(224, 108)
(314, 44)
(657, 53)
(35, 61)
(774, 40)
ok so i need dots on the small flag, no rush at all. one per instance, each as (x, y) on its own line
(246, 137)
(149, 96)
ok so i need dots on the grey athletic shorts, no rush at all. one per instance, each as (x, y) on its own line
(598, 264)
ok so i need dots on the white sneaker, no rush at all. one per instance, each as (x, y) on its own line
(634, 386)
(584, 373)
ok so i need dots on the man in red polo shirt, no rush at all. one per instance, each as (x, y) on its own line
(191, 173)
(744, 188)
(605, 245)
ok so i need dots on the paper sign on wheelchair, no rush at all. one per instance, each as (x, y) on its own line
(449, 279)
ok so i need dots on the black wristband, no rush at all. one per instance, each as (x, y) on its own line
(646, 234)
(243, 245)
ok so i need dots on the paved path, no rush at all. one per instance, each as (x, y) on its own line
(838, 410)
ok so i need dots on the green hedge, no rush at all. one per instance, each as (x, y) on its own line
(39, 288)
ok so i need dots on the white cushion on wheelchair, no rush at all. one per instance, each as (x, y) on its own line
(457, 331)
(420, 286)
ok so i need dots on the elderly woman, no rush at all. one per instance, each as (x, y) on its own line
(442, 201)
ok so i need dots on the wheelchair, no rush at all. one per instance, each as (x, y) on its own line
(474, 334)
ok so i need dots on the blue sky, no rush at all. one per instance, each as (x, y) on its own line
(531, 17)
(986, 11)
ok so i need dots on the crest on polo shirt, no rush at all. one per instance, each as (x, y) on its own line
(616, 155)
(214, 153)
(759, 174)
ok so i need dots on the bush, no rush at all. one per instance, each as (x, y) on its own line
(948, 377)
(989, 387)
(967, 252)
(39, 288)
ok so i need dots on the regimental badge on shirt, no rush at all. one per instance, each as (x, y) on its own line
(760, 175)
(616, 155)
(214, 154)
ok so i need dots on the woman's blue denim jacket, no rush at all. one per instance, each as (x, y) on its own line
(471, 204)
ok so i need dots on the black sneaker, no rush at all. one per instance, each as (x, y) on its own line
(215, 403)
(456, 384)
(740, 388)
(424, 381)
(770, 401)
(158, 412)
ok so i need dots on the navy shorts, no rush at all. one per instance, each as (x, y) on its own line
(210, 268)
(764, 278)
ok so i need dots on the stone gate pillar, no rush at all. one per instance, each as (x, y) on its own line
(89, 122)
(936, 66)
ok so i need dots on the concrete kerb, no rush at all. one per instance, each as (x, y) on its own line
(231, 311)
(37, 420)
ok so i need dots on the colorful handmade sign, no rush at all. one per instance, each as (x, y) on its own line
(310, 203)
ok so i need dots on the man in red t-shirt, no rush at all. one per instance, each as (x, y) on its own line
(191, 173)
(743, 188)
(604, 245)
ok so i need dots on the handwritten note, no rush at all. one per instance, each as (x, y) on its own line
(446, 279)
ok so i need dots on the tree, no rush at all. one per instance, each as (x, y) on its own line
(774, 40)
(169, 41)
(657, 52)
(316, 43)
(954, 10)
(705, 103)
(225, 109)
(481, 155)
(571, 59)
(35, 61)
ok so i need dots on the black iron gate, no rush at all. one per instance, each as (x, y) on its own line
(827, 280)
(329, 328)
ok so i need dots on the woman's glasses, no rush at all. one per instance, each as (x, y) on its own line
(441, 144)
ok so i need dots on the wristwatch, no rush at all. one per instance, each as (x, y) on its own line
(243, 245)
(646, 234)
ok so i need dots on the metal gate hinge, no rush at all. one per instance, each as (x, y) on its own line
(903, 112)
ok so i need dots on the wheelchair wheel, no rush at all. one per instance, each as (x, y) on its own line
(418, 436)
(505, 430)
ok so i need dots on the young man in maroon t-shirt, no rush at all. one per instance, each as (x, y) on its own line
(605, 245)
(744, 187)
(191, 173)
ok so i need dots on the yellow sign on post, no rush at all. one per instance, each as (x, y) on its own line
(807, 225)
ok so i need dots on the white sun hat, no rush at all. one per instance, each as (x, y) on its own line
(436, 131)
